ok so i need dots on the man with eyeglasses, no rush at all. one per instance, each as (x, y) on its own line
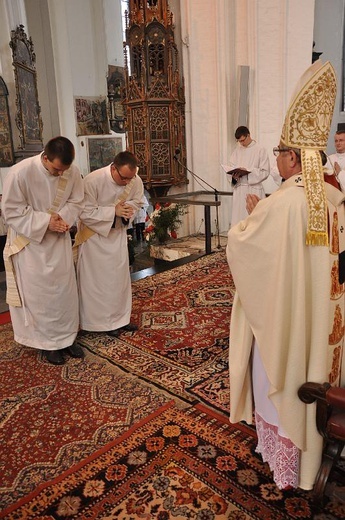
(113, 194)
(287, 260)
(249, 166)
(42, 198)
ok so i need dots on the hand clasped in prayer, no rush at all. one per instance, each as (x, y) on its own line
(124, 210)
(57, 224)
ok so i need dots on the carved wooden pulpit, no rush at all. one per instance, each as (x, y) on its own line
(154, 95)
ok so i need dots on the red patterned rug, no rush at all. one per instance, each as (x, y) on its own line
(54, 417)
(183, 338)
(189, 464)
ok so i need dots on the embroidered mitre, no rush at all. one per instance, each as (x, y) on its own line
(306, 126)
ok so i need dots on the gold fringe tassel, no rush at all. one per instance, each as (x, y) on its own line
(316, 239)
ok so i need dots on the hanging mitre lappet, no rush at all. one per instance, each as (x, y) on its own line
(306, 126)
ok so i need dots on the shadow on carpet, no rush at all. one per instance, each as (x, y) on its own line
(184, 464)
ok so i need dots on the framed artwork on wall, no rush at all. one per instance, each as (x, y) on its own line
(91, 115)
(116, 85)
(102, 150)
(29, 109)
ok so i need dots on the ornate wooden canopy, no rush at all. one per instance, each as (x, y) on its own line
(154, 95)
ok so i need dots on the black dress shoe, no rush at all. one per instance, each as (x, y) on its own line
(131, 327)
(75, 351)
(54, 357)
(114, 333)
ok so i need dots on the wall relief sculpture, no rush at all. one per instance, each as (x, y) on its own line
(116, 86)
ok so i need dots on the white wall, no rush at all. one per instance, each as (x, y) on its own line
(112, 34)
(275, 40)
(75, 41)
(329, 39)
(38, 28)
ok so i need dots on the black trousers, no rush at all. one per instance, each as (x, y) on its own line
(139, 231)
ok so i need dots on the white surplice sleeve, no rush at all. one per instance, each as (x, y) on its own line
(19, 212)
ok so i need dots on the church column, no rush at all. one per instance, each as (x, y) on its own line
(63, 67)
(205, 27)
(274, 39)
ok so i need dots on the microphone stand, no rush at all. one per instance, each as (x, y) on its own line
(200, 180)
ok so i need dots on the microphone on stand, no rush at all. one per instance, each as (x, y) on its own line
(177, 153)
(200, 180)
(176, 158)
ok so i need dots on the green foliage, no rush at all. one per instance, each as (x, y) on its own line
(164, 222)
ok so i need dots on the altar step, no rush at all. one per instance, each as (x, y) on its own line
(183, 247)
(173, 254)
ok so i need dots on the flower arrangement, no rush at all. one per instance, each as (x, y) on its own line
(164, 221)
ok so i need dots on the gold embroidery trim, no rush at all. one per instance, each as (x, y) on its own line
(317, 232)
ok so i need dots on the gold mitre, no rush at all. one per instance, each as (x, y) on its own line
(306, 126)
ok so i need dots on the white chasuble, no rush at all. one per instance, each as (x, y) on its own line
(290, 302)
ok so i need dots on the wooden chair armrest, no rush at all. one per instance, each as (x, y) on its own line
(310, 392)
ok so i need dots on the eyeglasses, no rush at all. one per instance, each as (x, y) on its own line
(122, 177)
(277, 150)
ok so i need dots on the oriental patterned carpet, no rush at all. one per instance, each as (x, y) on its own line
(183, 464)
(183, 337)
(139, 428)
(53, 417)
